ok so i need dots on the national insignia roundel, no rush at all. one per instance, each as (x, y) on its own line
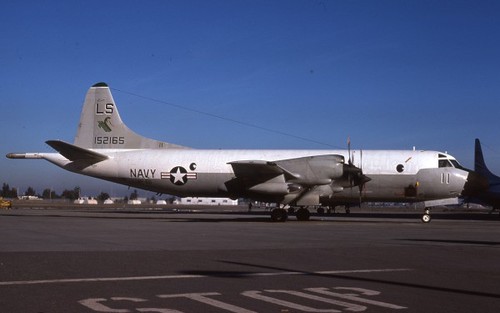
(178, 175)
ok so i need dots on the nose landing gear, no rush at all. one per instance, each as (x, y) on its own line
(426, 218)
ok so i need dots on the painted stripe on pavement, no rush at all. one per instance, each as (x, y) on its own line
(135, 278)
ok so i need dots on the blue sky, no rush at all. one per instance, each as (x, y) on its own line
(389, 74)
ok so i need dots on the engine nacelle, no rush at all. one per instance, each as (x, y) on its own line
(315, 170)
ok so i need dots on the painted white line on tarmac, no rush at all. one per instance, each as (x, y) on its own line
(136, 278)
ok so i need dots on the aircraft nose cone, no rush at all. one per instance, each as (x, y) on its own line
(475, 184)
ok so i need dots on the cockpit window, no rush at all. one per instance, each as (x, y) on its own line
(450, 163)
(445, 163)
(456, 164)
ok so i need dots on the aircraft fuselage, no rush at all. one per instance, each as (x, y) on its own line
(395, 175)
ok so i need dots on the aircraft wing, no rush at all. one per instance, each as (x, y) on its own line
(75, 153)
(259, 169)
(286, 177)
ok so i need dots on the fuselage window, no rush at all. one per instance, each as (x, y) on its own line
(400, 168)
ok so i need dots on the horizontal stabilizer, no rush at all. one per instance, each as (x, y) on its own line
(74, 153)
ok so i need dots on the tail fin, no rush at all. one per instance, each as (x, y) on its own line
(101, 127)
(480, 166)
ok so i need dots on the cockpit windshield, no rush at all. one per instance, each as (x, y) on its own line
(445, 163)
(448, 162)
(456, 164)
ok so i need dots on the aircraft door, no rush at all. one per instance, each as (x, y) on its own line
(440, 182)
(431, 183)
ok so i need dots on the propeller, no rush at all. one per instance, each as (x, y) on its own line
(355, 174)
(362, 178)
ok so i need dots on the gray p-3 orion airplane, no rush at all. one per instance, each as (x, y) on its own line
(105, 148)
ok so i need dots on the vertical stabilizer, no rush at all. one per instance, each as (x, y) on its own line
(480, 166)
(101, 127)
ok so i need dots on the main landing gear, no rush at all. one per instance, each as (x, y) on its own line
(426, 218)
(303, 214)
(281, 215)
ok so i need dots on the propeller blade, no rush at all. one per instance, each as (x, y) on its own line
(361, 185)
(355, 174)
(349, 150)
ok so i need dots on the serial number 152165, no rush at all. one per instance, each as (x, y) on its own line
(109, 140)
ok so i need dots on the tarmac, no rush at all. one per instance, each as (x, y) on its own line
(192, 259)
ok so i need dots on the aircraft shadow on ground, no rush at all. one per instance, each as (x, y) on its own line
(334, 218)
(460, 242)
(260, 216)
(250, 274)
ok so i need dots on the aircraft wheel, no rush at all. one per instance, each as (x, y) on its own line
(303, 214)
(426, 218)
(279, 215)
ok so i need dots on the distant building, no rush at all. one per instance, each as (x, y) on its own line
(134, 202)
(29, 198)
(85, 200)
(206, 201)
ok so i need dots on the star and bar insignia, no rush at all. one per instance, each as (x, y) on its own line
(178, 175)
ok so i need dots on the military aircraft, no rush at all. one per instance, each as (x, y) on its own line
(105, 148)
(489, 191)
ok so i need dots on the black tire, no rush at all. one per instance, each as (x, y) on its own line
(426, 218)
(278, 215)
(303, 214)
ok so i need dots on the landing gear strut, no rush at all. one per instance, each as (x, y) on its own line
(426, 218)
